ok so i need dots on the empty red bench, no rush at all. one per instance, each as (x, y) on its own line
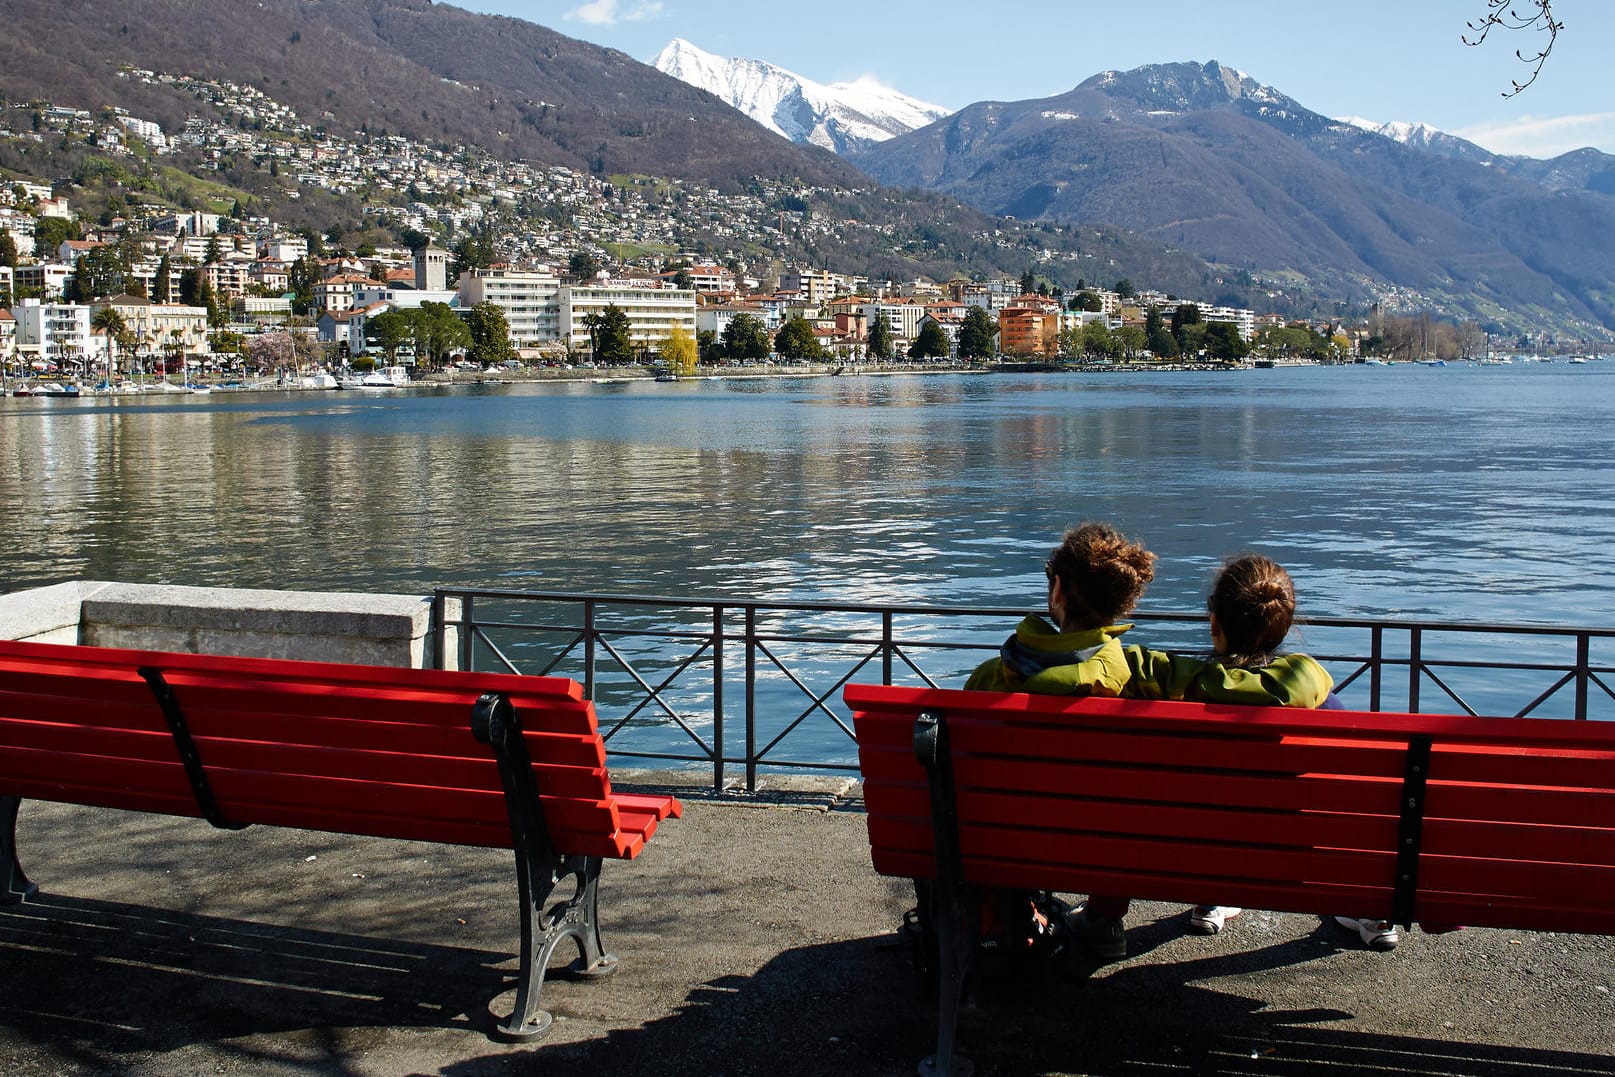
(462, 758)
(1499, 822)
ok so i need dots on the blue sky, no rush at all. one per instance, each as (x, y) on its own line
(1376, 59)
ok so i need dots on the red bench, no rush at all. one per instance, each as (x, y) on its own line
(1498, 822)
(461, 758)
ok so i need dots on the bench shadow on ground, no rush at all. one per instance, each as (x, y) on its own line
(95, 981)
(856, 1007)
(104, 977)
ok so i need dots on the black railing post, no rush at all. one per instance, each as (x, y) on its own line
(440, 631)
(1415, 666)
(751, 699)
(588, 649)
(468, 632)
(1583, 673)
(886, 647)
(1376, 667)
(717, 699)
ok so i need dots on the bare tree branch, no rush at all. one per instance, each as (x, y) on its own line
(1538, 16)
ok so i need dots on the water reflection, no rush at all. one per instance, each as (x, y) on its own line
(1454, 494)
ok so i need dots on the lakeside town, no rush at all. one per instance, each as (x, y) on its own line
(211, 294)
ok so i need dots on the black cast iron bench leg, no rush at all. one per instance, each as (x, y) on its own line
(17, 887)
(540, 869)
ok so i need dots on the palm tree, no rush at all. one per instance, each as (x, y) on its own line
(110, 322)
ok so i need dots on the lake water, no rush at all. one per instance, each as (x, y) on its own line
(1457, 493)
(1482, 493)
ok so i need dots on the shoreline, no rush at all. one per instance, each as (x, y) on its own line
(35, 387)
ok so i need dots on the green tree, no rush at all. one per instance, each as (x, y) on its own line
(212, 255)
(110, 322)
(745, 337)
(795, 340)
(1125, 289)
(977, 335)
(880, 339)
(98, 273)
(683, 280)
(708, 347)
(302, 276)
(490, 334)
(931, 343)
(160, 284)
(680, 353)
(583, 266)
(438, 332)
(390, 328)
(1183, 316)
(471, 253)
(1087, 301)
(1224, 342)
(8, 250)
(1132, 340)
(1094, 340)
(50, 233)
(610, 335)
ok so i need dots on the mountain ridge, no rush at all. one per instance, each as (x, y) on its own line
(1207, 160)
(838, 117)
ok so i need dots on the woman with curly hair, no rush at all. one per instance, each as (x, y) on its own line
(1096, 575)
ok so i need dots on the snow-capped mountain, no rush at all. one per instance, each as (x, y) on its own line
(838, 117)
(1424, 137)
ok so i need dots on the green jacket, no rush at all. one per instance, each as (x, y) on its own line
(1040, 658)
(1291, 680)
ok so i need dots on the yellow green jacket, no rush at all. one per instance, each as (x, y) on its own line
(1291, 680)
(1040, 658)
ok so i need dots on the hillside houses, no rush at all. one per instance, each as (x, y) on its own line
(247, 272)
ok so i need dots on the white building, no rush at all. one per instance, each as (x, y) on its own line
(45, 279)
(902, 319)
(55, 332)
(284, 249)
(1243, 320)
(530, 300)
(653, 311)
(815, 286)
(715, 319)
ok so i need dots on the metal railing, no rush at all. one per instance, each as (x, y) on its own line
(755, 685)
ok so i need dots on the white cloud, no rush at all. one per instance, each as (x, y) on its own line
(611, 12)
(1545, 136)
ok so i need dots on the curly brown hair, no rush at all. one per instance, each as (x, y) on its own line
(1254, 603)
(1102, 573)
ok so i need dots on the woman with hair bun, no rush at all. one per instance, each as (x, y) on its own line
(1252, 606)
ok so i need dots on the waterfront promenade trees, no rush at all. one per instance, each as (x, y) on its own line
(795, 340)
(490, 334)
(977, 335)
(745, 337)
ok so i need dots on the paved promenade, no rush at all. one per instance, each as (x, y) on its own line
(754, 939)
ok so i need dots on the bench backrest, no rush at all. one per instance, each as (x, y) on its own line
(356, 749)
(1273, 808)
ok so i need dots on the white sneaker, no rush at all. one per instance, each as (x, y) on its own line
(1376, 934)
(1208, 919)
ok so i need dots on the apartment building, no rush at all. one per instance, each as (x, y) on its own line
(1021, 330)
(159, 327)
(54, 332)
(814, 286)
(653, 312)
(45, 280)
(902, 318)
(529, 299)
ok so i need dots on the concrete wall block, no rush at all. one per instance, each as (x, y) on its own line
(46, 614)
(366, 629)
